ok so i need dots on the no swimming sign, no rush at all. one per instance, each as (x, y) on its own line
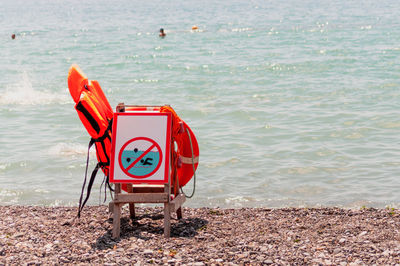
(140, 148)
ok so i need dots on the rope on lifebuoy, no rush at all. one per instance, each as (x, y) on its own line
(194, 170)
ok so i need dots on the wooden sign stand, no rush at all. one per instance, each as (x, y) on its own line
(145, 194)
(138, 193)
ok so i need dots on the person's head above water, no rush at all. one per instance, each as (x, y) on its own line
(13, 36)
(162, 33)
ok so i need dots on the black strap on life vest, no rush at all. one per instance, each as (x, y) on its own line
(105, 135)
(94, 172)
(88, 116)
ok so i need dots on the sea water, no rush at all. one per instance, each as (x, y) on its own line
(293, 103)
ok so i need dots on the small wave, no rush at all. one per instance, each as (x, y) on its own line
(390, 125)
(9, 196)
(354, 135)
(23, 93)
(58, 203)
(222, 163)
(236, 199)
(41, 191)
(145, 80)
(69, 149)
(298, 170)
(241, 29)
(368, 27)
(240, 201)
(4, 166)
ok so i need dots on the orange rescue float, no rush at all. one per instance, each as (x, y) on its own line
(185, 142)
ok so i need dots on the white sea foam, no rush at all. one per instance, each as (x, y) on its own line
(9, 196)
(241, 29)
(4, 166)
(240, 201)
(40, 190)
(22, 92)
(236, 199)
(69, 149)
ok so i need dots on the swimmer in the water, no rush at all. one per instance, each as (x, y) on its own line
(162, 33)
(13, 36)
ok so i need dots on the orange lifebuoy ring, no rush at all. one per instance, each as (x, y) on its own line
(184, 162)
(184, 143)
(188, 159)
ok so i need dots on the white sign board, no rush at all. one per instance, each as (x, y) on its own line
(140, 151)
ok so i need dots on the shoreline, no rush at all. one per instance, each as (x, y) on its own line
(205, 236)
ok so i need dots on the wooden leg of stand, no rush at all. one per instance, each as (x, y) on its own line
(179, 213)
(117, 189)
(167, 220)
(111, 207)
(167, 212)
(132, 210)
(131, 205)
(116, 221)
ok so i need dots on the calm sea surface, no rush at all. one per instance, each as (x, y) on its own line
(294, 103)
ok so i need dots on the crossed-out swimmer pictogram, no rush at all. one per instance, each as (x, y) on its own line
(140, 157)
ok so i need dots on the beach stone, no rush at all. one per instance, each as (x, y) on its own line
(336, 250)
(268, 262)
(148, 252)
(63, 259)
(110, 254)
(355, 263)
(243, 255)
(20, 234)
(362, 233)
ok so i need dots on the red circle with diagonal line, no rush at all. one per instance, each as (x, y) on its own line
(152, 145)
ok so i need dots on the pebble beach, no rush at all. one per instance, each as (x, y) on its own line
(31, 235)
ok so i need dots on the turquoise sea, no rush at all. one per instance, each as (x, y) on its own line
(294, 103)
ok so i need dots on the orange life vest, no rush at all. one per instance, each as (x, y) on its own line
(96, 115)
